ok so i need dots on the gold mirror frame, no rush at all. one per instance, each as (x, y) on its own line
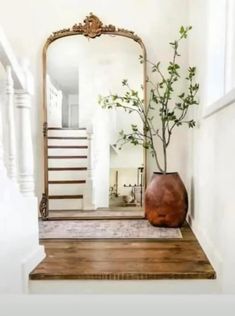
(92, 27)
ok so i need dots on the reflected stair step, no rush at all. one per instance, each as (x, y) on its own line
(66, 128)
(67, 157)
(67, 137)
(67, 210)
(65, 169)
(58, 146)
(67, 181)
(63, 197)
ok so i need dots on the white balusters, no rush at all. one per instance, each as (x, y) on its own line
(25, 147)
(18, 135)
(10, 125)
(24, 134)
(88, 193)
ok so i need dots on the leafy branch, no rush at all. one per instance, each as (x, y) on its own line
(171, 108)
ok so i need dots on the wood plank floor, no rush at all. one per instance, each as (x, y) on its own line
(124, 259)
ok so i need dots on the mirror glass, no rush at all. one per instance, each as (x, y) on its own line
(79, 70)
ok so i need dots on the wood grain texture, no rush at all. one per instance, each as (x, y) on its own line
(124, 259)
(68, 168)
(70, 147)
(66, 181)
(67, 157)
(67, 137)
(66, 128)
(64, 197)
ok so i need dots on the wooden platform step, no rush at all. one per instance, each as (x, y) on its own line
(68, 168)
(126, 260)
(61, 146)
(67, 181)
(64, 197)
(67, 157)
(67, 137)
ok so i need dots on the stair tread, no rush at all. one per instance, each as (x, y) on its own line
(68, 168)
(67, 157)
(67, 128)
(79, 196)
(66, 181)
(67, 137)
(61, 146)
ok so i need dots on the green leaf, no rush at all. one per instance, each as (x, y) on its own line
(182, 30)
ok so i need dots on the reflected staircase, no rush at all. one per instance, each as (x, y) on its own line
(66, 167)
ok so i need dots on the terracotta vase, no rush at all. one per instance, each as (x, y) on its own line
(166, 200)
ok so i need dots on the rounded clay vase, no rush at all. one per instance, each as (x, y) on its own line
(166, 200)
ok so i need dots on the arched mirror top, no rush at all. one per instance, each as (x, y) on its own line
(92, 27)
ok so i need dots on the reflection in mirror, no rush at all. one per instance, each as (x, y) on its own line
(82, 134)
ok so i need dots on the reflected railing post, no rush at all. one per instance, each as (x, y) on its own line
(88, 192)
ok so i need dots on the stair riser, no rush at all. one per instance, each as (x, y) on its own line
(67, 175)
(56, 163)
(66, 189)
(140, 287)
(67, 142)
(67, 152)
(63, 133)
(71, 204)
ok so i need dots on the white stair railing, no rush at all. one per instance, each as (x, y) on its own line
(18, 204)
(25, 147)
(17, 120)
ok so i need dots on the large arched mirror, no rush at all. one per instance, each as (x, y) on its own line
(84, 172)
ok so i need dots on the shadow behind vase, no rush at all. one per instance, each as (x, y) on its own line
(166, 200)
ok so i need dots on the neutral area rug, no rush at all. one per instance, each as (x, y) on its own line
(105, 214)
(111, 229)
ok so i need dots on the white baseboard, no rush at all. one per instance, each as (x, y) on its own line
(29, 263)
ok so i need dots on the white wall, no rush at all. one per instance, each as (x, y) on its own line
(213, 172)
(155, 21)
(100, 158)
(211, 166)
(20, 250)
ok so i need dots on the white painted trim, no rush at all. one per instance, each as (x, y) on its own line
(29, 263)
(226, 100)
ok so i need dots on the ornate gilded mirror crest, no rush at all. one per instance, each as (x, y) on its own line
(93, 27)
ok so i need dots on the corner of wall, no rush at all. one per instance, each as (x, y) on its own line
(29, 263)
